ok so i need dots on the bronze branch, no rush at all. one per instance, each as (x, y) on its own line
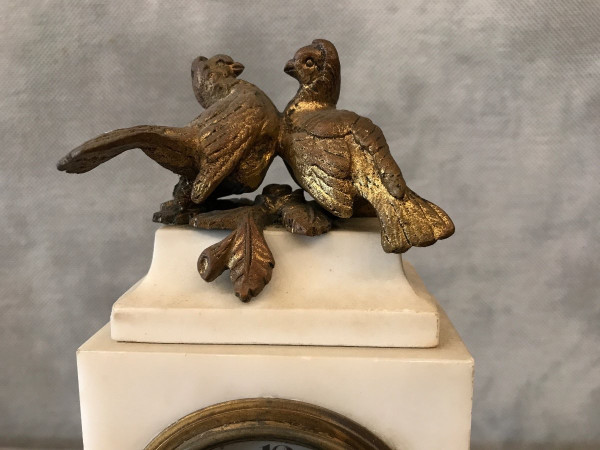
(245, 251)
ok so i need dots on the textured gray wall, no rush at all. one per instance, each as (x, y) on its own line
(491, 108)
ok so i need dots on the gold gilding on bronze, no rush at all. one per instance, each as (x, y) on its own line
(341, 158)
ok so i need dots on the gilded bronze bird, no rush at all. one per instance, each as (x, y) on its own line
(226, 150)
(342, 159)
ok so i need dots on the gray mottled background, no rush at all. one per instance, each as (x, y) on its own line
(491, 107)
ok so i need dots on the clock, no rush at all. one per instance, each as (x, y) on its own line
(266, 424)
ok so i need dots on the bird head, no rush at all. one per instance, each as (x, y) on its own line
(317, 69)
(213, 77)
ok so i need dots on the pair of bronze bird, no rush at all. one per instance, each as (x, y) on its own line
(340, 158)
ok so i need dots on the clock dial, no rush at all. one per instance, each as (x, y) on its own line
(262, 445)
(265, 424)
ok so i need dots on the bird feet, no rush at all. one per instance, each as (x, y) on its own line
(180, 210)
(173, 213)
(290, 209)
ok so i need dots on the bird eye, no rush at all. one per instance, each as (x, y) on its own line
(309, 62)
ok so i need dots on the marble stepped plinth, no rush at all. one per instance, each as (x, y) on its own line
(338, 289)
(412, 398)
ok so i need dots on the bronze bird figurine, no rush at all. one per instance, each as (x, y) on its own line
(342, 159)
(226, 150)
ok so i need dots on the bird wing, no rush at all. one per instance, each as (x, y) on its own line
(327, 123)
(168, 146)
(370, 138)
(226, 130)
(321, 159)
(336, 123)
(322, 167)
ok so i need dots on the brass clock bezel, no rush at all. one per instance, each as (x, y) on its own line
(255, 419)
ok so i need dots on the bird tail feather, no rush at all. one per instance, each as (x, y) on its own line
(407, 220)
(165, 145)
(412, 222)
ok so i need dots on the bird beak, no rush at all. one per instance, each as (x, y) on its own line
(237, 68)
(290, 69)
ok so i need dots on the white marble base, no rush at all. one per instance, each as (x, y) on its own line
(338, 289)
(411, 398)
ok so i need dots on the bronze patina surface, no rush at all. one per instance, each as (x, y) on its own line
(226, 150)
(340, 158)
(258, 419)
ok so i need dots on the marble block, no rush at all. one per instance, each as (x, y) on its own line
(412, 398)
(337, 289)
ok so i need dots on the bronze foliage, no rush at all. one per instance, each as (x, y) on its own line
(245, 251)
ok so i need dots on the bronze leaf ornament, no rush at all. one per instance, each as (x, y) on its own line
(245, 251)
